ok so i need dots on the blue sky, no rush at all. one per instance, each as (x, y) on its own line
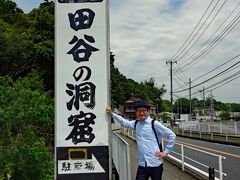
(28, 5)
(145, 34)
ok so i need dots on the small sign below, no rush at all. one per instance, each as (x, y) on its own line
(79, 166)
(86, 162)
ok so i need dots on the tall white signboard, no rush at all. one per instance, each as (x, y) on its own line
(82, 89)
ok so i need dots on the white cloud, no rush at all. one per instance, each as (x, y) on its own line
(145, 34)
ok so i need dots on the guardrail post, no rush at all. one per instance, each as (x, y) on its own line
(115, 174)
(220, 167)
(221, 127)
(211, 173)
(182, 152)
(235, 127)
(125, 131)
(209, 129)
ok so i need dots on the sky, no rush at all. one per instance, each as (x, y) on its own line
(201, 38)
(28, 5)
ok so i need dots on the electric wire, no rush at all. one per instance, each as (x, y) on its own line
(219, 27)
(179, 59)
(209, 78)
(183, 79)
(179, 72)
(192, 31)
(212, 45)
(216, 68)
(230, 78)
(226, 83)
(197, 31)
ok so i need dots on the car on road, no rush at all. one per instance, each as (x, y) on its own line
(178, 121)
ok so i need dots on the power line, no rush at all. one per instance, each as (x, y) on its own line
(180, 77)
(177, 82)
(226, 82)
(212, 45)
(216, 68)
(202, 31)
(197, 31)
(206, 42)
(184, 49)
(230, 78)
(209, 78)
(181, 71)
(192, 31)
(219, 82)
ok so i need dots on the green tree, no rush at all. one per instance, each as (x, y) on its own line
(165, 106)
(27, 41)
(26, 126)
(225, 115)
(9, 11)
(165, 117)
(182, 105)
(233, 107)
(16, 52)
(41, 29)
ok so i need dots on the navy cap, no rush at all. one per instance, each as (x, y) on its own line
(142, 103)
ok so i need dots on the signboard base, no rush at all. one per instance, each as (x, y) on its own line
(89, 163)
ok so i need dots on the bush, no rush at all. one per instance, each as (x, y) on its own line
(26, 126)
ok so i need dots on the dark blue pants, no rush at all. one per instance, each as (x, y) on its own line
(143, 173)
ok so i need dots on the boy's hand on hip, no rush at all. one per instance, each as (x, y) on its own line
(160, 154)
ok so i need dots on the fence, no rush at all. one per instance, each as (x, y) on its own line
(197, 165)
(222, 132)
(227, 127)
(121, 157)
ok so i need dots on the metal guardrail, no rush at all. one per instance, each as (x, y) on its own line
(183, 157)
(131, 133)
(213, 136)
(121, 157)
(225, 127)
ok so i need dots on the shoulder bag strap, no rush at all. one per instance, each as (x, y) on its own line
(135, 124)
(159, 144)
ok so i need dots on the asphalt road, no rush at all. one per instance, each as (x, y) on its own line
(230, 165)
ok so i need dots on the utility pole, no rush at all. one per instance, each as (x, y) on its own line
(171, 92)
(180, 107)
(211, 105)
(204, 104)
(190, 99)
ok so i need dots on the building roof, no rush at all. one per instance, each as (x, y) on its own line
(132, 100)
